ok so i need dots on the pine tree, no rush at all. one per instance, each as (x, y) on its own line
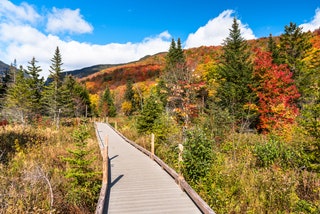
(235, 93)
(35, 85)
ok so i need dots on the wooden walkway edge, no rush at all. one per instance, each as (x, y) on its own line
(139, 184)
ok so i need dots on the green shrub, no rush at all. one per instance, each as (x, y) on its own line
(276, 152)
(197, 155)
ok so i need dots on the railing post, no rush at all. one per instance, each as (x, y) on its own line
(180, 160)
(105, 160)
(105, 168)
(152, 146)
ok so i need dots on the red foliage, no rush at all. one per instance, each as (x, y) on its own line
(3, 123)
(276, 91)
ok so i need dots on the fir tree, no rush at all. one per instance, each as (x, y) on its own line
(235, 71)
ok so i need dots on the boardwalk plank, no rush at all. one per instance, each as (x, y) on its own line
(138, 184)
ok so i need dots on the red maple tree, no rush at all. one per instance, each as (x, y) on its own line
(276, 91)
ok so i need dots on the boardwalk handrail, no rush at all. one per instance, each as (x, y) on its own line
(104, 186)
(199, 202)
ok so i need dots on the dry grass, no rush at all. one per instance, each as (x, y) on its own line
(32, 172)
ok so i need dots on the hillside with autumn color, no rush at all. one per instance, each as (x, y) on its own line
(148, 69)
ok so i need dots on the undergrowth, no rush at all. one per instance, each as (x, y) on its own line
(32, 172)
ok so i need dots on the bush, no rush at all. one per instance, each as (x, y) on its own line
(276, 152)
(197, 155)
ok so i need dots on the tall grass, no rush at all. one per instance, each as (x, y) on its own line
(32, 171)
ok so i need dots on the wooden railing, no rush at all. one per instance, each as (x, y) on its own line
(105, 169)
(201, 204)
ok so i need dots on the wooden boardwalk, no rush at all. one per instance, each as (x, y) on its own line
(137, 184)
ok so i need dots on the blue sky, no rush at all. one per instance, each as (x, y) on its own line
(116, 31)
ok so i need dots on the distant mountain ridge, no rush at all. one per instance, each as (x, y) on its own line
(83, 72)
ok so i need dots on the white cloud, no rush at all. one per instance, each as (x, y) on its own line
(66, 20)
(216, 30)
(24, 42)
(313, 24)
(22, 39)
(12, 13)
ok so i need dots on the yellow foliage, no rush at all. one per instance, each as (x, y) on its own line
(126, 107)
(94, 99)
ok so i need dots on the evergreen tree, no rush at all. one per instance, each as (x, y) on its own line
(52, 95)
(294, 48)
(152, 110)
(107, 104)
(272, 48)
(35, 84)
(235, 71)
(74, 98)
(84, 181)
(19, 98)
(129, 98)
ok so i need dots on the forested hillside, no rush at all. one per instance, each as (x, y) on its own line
(247, 114)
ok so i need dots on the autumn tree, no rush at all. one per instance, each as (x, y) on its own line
(276, 91)
(128, 106)
(235, 79)
(178, 84)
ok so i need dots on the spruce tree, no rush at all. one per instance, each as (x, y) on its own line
(52, 95)
(84, 180)
(35, 85)
(18, 100)
(272, 48)
(152, 110)
(294, 48)
(129, 97)
(235, 71)
(74, 98)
